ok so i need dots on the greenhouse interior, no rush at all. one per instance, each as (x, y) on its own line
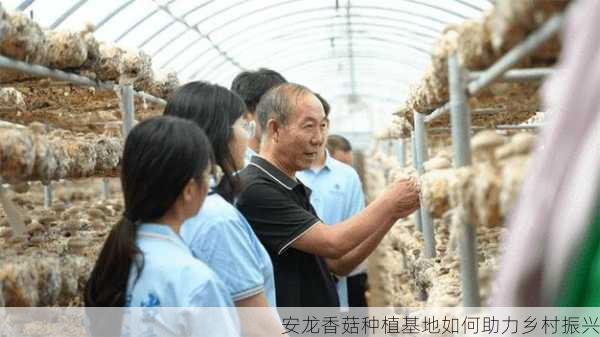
(459, 167)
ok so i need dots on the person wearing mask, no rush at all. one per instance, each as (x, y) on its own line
(336, 196)
(251, 85)
(165, 173)
(219, 234)
(305, 251)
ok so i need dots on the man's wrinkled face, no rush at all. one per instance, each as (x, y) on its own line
(304, 135)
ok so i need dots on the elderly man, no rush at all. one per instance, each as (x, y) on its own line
(305, 252)
(251, 85)
(336, 196)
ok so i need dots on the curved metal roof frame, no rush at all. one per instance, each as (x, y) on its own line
(375, 97)
(376, 63)
(363, 66)
(307, 33)
(372, 27)
(287, 16)
(140, 21)
(320, 59)
(372, 48)
(357, 41)
(214, 68)
(367, 84)
(368, 78)
(387, 9)
(373, 92)
(215, 46)
(241, 35)
(67, 13)
(279, 17)
(363, 70)
(23, 5)
(113, 13)
(285, 69)
(296, 48)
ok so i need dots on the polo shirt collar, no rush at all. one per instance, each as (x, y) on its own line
(327, 166)
(273, 172)
(163, 232)
(328, 160)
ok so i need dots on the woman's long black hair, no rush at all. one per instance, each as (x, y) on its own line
(160, 157)
(215, 109)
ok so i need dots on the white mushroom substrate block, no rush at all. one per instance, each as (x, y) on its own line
(50, 263)
(33, 153)
(11, 98)
(77, 51)
(481, 194)
(480, 42)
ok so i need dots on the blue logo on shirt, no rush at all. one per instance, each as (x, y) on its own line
(152, 301)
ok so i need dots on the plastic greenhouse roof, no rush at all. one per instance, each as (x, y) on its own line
(359, 54)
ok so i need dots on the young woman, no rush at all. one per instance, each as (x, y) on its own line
(165, 172)
(219, 234)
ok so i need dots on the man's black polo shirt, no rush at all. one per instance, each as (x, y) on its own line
(279, 210)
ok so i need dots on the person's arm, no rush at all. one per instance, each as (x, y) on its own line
(258, 322)
(209, 310)
(347, 263)
(356, 203)
(368, 227)
(226, 248)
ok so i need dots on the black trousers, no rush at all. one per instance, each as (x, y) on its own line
(357, 286)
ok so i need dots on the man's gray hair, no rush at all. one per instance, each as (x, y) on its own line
(279, 103)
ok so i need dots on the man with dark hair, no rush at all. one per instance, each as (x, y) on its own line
(340, 149)
(303, 249)
(251, 85)
(325, 104)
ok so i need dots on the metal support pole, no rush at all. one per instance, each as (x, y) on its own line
(150, 98)
(128, 111)
(421, 154)
(444, 109)
(401, 152)
(41, 71)
(48, 195)
(460, 118)
(417, 214)
(518, 75)
(127, 108)
(529, 45)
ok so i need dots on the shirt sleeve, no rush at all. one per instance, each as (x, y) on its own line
(275, 218)
(230, 254)
(210, 311)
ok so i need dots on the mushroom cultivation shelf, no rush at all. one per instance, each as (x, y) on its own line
(49, 264)
(474, 196)
(60, 125)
